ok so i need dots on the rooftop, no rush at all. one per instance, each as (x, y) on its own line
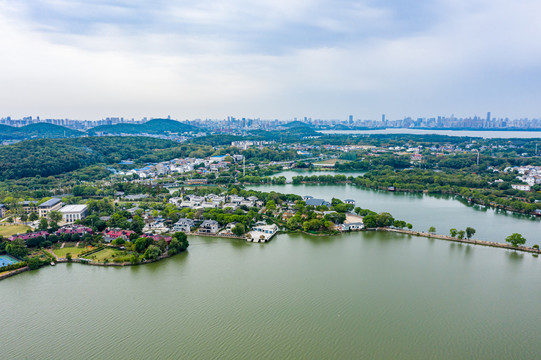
(73, 208)
(50, 202)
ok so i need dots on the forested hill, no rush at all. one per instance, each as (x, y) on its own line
(39, 130)
(155, 127)
(48, 157)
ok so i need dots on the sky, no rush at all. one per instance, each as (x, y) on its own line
(269, 59)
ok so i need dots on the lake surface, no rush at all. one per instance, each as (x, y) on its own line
(487, 134)
(359, 295)
(424, 211)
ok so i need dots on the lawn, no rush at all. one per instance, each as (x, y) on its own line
(9, 230)
(74, 251)
(108, 253)
(331, 162)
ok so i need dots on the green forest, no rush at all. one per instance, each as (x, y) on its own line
(49, 157)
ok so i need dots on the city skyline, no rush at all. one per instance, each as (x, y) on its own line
(269, 59)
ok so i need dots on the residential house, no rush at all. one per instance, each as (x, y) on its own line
(167, 239)
(184, 225)
(351, 226)
(209, 227)
(262, 232)
(29, 235)
(522, 187)
(74, 229)
(317, 202)
(112, 234)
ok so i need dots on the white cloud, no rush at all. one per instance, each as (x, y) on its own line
(268, 59)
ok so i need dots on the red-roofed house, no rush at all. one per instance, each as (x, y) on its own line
(112, 234)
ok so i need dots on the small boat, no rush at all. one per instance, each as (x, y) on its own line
(53, 263)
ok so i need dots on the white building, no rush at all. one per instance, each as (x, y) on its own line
(262, 232)
(72, 213)
(522, 187)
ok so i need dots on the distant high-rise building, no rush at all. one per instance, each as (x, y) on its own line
(351, 119)
(488, 116)
(383, 117)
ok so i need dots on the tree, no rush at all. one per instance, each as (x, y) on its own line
(470, 232)
(55, 216)
(34, 263)
(68, 257)
(152, 252)
(182, 240)
(461, 234)
(239, 229)
(271, 205)
(384, 219)
(137, 224)
(33, 216)
(43, 224)
(515, 239)
(17, 248)
(142, 244)
(409, 226)
(432, 229)
(24, 217)
(453, 232)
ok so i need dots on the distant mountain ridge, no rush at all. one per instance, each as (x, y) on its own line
(155, 127)
(39, 130)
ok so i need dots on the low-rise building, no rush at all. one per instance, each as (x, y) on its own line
(112, 234)
(29, 235)
(50, 205)
(72, 213)
(522, 187)
(184, 225)
(262, 232)
(209, 227)
(74, 229)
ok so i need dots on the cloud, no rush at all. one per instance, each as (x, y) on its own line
(269, 59)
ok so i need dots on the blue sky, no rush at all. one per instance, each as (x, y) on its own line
(269, 59)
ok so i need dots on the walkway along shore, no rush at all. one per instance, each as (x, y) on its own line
(465, 241)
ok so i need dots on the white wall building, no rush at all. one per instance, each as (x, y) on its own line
(72, 213)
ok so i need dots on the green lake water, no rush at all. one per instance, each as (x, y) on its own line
(361, 295)
(424, 211)
(364, 295)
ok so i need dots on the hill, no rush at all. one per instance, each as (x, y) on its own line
(154, 127)
(297, 124)
(33, 131)
(49, 157)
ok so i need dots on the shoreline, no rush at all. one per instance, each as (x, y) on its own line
(465, 241)
(399, 231)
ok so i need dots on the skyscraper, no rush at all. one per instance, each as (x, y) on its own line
(488, 116)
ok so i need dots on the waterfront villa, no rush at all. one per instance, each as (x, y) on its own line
(184, 225)
(209, 227)
(112, 234)
(261, 232)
